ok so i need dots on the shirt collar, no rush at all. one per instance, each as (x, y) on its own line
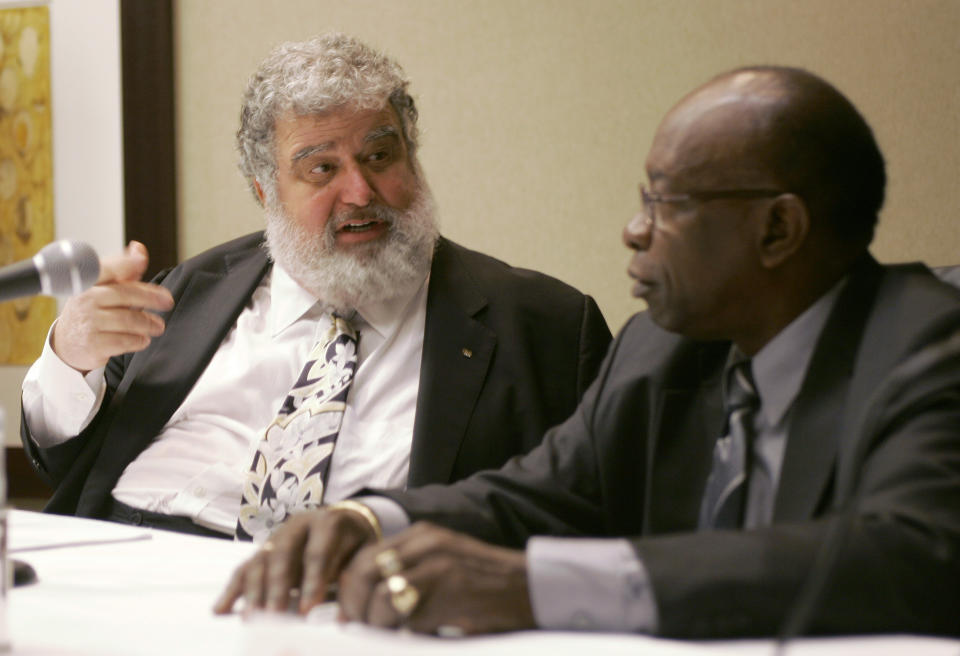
(781, 365)
(290, 302)
(385, 316)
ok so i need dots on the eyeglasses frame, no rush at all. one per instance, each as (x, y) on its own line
(649, 199)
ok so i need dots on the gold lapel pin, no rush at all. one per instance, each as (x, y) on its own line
(467, 353)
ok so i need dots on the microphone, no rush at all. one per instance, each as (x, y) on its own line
(63, 268)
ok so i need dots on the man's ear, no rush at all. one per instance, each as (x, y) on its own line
(785, 229)
(257, 188)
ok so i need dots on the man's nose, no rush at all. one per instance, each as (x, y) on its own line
(638, 232)
(356, 189)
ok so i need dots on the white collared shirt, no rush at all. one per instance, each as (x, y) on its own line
(196, 465)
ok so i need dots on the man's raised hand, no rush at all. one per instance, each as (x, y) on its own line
(117, 315)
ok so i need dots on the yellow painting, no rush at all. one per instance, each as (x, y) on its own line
(26, 171)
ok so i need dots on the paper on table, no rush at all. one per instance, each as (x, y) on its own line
(34, 532)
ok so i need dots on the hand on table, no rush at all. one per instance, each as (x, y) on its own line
(114, 316)
(451, 582)
(306, 554)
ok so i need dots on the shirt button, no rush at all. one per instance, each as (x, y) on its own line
(199, 491)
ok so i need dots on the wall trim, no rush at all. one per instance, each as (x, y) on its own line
(149, 149)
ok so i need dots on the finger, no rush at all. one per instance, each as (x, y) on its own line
(131, 321)
(234, 590)
(253, 584)
(358, 583)
(143, 295)
(284, 554)
(380, 610)
(87, 340)
(313, 581)
(128, 265)
(328, 552)
(135, 247)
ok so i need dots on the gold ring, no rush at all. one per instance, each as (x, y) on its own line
(268, 546)
(403, 596)
(388, 562)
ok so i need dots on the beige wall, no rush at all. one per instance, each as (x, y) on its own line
(537, 114)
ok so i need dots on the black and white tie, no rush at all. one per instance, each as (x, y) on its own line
(290, 467)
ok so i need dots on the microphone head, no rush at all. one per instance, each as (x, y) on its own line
(67, 267)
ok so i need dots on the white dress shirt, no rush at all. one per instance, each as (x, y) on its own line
(196, 465)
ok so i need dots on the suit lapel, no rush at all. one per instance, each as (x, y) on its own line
(457, 350)
(817, 418)
(158, 379)
(688, 421)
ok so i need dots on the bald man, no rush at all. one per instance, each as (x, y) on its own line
(782, 388)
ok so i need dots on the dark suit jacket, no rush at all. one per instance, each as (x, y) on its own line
(536, 345)
(875, 431)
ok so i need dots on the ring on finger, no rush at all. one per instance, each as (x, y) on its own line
(403, 596)
(388, 562)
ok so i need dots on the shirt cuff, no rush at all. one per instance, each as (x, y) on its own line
(589, 585)
(391, 515)
(59, 401)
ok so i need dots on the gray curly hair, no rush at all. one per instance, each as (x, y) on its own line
(328, 72)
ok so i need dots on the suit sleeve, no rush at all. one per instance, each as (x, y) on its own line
(887, 560)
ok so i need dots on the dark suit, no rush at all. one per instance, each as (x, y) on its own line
(535, 345)
(875, 430)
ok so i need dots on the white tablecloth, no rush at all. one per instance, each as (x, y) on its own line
(129, 591)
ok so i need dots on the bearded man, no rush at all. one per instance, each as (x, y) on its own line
(348, 346)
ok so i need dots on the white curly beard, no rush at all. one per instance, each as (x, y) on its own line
(348, 277)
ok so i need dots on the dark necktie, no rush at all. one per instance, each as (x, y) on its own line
(725, 496)
(289, 470)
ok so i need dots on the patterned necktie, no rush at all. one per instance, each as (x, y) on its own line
(289, 469)
(725, 496)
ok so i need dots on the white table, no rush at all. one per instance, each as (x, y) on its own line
(138, 591)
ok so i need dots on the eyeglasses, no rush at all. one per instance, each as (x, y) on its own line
(649, 200)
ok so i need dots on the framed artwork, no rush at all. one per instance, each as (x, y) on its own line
(26, 171)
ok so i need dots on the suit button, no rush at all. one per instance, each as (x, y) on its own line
(136, 518)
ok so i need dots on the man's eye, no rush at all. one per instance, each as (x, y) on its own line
(379, 156)
(322, 168)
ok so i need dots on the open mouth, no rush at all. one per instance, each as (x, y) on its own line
(359, 227)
